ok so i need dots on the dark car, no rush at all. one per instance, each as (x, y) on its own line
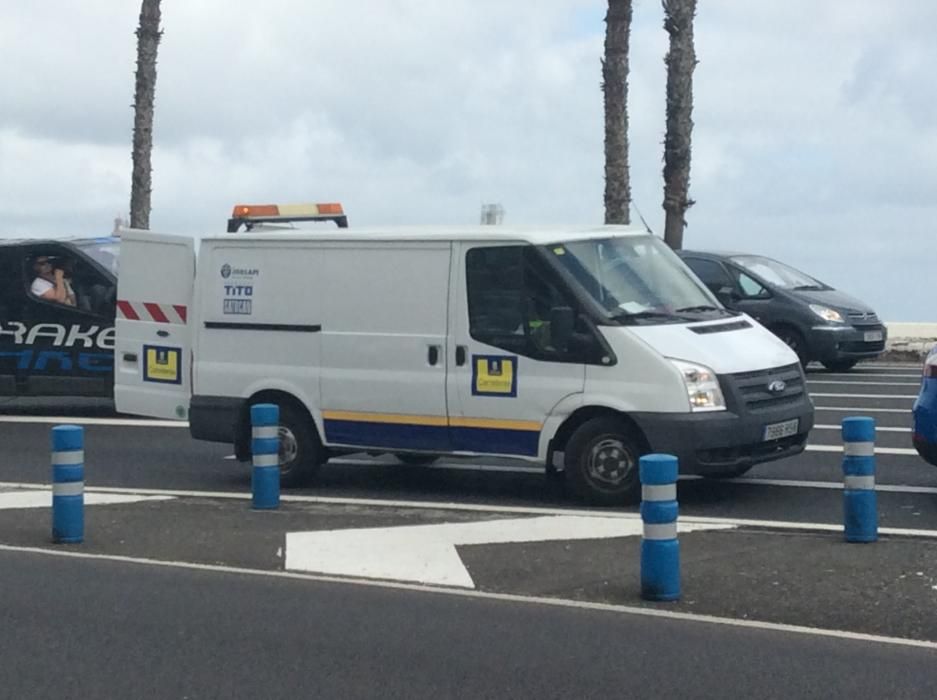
(816, 321)
(57, 347)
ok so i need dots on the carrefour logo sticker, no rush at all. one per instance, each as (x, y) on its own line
(494, 375)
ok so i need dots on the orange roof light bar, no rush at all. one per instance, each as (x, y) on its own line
(250, 214)
(334, 208)
(249, 211)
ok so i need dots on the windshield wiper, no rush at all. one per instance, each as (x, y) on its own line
(700, 307)
(623, 315)
(809, 288)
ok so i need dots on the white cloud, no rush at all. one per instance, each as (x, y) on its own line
(815, 134)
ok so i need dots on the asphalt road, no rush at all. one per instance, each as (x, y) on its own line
(116, 627)
(801, 488)
(80, 629)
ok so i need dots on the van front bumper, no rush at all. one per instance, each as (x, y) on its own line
(723, 442)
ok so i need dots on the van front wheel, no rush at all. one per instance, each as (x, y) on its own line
(602, 462)
(301, 452)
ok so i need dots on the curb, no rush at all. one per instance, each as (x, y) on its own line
(908, 349)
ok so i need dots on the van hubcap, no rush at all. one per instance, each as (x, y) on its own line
(289, 448)
(610, 462)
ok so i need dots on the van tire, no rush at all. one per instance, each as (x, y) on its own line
(299, 442)
(595, 456)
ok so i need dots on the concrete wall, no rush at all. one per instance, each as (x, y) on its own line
(910, 341)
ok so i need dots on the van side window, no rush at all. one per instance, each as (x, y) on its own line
(512, 295)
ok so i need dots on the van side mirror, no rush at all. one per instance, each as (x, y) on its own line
(562, 321)
(727, 295)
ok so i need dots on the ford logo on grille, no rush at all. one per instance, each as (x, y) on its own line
(777, 386)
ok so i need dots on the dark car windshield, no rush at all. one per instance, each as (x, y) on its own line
(636, 277)
(778, 274)
(105, 251)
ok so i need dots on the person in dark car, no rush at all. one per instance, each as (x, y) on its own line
(50, 282)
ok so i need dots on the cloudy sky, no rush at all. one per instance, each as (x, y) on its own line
(815, 138)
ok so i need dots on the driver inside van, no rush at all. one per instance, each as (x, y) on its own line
(50, 282)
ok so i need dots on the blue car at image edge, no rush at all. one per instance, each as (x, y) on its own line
(925, 412)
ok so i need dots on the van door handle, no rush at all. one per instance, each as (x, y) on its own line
(130, 357)
(460, 351)
(433, 356)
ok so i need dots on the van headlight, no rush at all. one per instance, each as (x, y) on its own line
(702, 387)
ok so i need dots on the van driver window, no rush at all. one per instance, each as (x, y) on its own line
(511, 296)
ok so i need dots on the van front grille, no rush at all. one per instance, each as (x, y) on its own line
(773, 388)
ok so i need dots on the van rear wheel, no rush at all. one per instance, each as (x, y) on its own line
(301, 452)
(601, 461)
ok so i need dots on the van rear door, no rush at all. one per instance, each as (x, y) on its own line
(153, 340)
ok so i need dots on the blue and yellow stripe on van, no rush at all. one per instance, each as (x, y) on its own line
(432, 433)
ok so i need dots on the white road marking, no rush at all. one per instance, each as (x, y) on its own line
(829, 485)
(860, 408)
(494, 509)
(835, 381)
(878, 429)
(427, 553)
(10, 500)
(890, 365)
(863, 396)
(483, 595)
(878, 450)
(852, 375)
(72, 420)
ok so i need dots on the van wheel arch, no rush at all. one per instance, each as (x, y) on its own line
(292, 410)
(584, 415)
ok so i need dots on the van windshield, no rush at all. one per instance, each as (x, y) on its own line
(106, 251)
(635, 277)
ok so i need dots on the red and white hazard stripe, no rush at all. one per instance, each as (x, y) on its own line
(150, 311)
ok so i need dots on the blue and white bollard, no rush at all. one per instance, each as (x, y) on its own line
(660, 550)
(68, 484)
(859, 498)
(265, 448)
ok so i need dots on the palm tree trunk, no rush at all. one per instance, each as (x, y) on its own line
(681, 61)
(615, 88)
(148, 36)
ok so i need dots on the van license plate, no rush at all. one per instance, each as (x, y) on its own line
(776, 431)
(873, 336)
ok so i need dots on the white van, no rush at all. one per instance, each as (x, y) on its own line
(576, 349)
